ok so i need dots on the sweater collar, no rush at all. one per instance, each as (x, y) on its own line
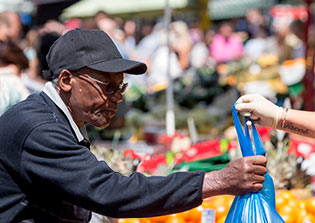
(51, 92)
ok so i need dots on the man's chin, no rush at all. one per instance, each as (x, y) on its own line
(103, 126)
(100, 122)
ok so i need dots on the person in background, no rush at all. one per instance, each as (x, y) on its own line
(100, 15)
(182, 44)
(28, 46)
(265, 113)
(4, 27)
(53, 26)
(296, 38)
(289, 38)
(257, 45)
(251, 24)
(163, 59)
(226, 45)
(12, 62)
(33, 79)
(199, 55)
(48, 173)
(15, 26)
(130, 32)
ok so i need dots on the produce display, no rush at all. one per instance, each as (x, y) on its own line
(291, 209)
(179, 153)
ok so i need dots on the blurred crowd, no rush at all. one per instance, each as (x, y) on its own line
(183, 46)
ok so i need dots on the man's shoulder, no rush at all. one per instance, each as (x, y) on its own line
(35, 110)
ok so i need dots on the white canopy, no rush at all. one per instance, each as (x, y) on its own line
(16, 5)
(86, 8)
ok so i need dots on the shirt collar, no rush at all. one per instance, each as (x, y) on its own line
(51, 92)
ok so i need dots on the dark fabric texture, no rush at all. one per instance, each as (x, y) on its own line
(43, 167)
(88, 48)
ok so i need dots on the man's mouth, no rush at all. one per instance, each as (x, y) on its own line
(109, 113)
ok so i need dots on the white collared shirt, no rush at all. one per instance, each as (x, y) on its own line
(51, 92)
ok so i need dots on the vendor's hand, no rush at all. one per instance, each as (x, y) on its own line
(237, 178)
(259, 109)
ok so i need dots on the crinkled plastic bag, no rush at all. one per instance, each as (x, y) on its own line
(253, 207)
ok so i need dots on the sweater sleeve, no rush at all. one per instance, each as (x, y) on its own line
(53, 160)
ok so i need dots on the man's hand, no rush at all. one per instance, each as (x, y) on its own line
(237, 178)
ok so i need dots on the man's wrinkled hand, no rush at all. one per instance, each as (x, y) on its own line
(244, 175)
(239, 177)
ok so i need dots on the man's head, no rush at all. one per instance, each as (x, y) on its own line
(90, 71)
(90, 95)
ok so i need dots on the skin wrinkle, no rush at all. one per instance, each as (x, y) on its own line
(228, 179)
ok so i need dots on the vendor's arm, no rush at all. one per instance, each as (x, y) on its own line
(265, 113)
(298, 122)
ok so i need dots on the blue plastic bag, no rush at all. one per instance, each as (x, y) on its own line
(253, 207)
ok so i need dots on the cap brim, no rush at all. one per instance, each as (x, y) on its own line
(120, 65)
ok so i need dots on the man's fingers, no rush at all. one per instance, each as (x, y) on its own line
(259, 179)
(260, 170)
(258, 160)
(257, 187)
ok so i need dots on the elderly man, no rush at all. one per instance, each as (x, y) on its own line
(48, 173)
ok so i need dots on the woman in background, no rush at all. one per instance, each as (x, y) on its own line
(12, 62)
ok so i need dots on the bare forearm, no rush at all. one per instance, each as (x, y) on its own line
(298, 122)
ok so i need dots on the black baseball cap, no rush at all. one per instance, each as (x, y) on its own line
(80, 48)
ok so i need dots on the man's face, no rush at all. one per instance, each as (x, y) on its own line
(92, 101)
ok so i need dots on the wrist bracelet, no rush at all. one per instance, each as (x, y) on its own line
(285, 118)
(276, 121)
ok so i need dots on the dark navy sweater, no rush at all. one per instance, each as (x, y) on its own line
(43, 166)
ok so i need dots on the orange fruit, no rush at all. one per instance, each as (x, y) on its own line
(308, 218)
(221, 205)
(221, 211)
(302, 204)
(194, 214)
(207, 204)
(174, 218)
(129, 220)
(288, 218)
(184, 215)
(144, 220)
(289, 213)
(159, 219)
(302, 213)
(221, 220)
(287, 195)
(280, 202)
(310, 206)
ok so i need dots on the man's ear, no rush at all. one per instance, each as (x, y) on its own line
(65, 80)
